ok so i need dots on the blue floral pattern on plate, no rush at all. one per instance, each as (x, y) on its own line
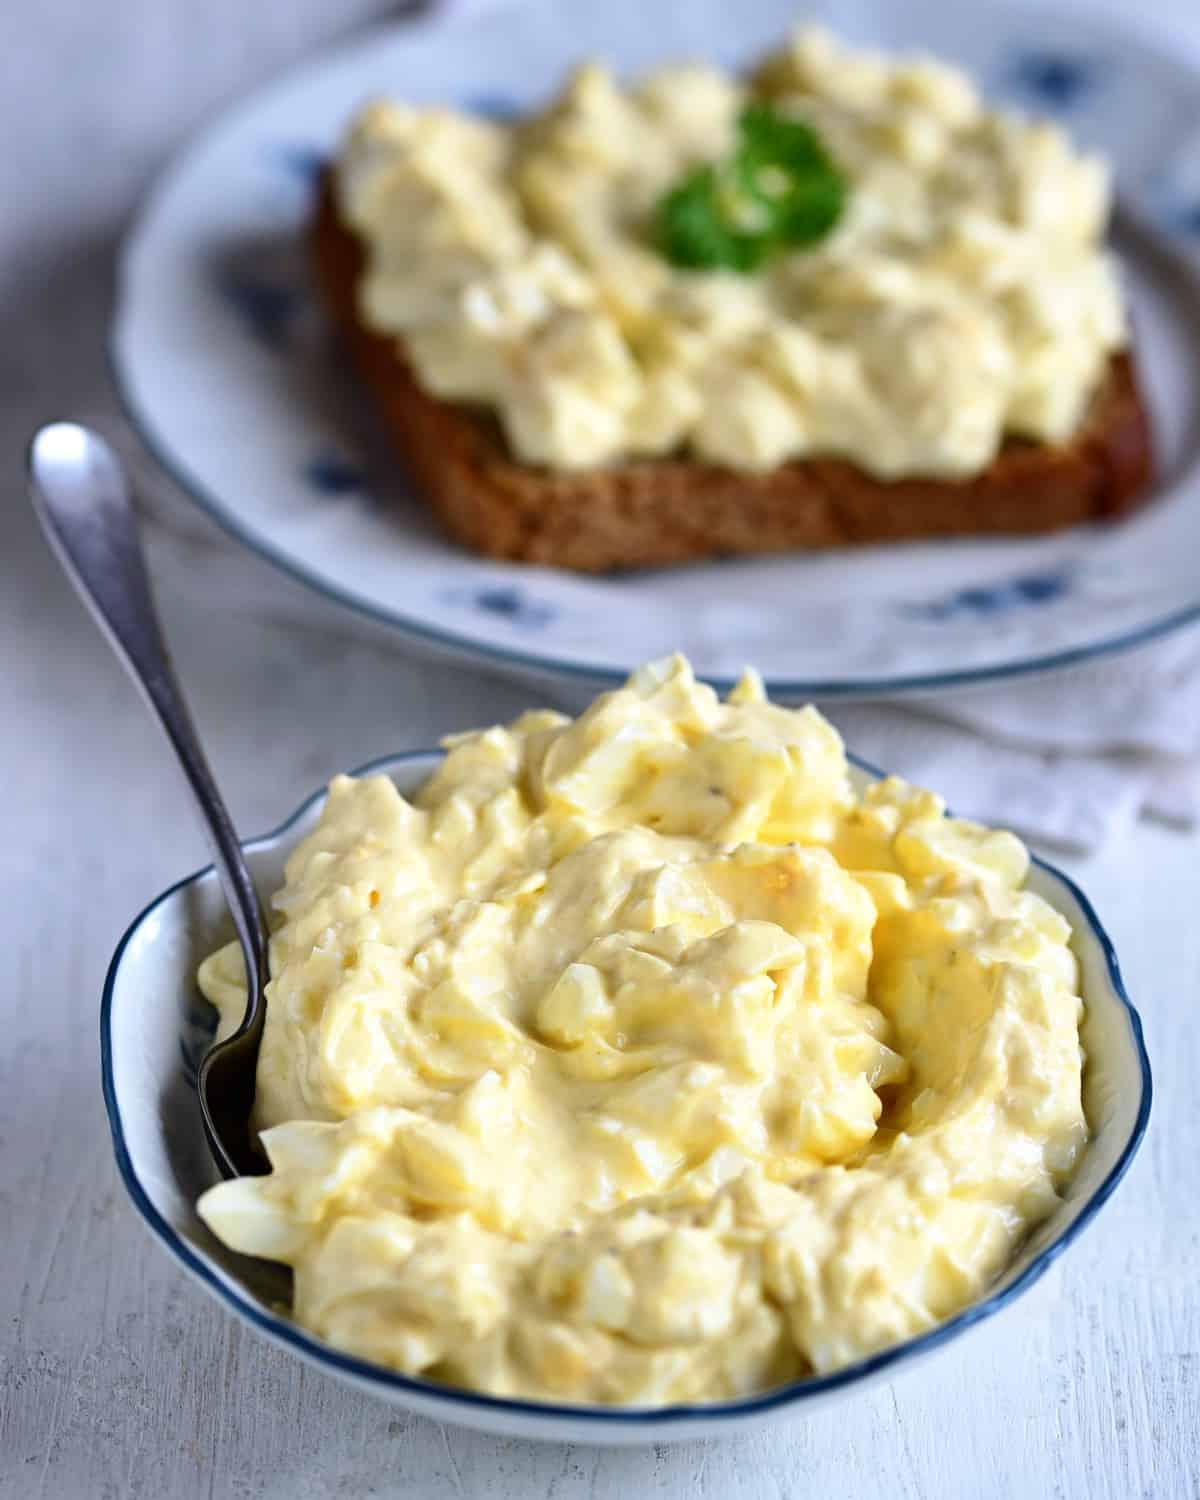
(267, 310)
(299, 160)
(1052, 82)
(331, 474)
(506, 602)
(985, 600)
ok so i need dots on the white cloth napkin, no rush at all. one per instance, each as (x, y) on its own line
(1067, 758)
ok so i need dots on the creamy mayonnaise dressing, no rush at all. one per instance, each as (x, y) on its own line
(638, 1059)
(964, 295)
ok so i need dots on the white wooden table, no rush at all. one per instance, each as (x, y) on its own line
(118, 1378)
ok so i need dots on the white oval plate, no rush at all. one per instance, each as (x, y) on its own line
(227, 369)
(154, 1028)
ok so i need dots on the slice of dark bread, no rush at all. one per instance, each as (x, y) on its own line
(649, 512)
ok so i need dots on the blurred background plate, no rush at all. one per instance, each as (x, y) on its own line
(227, 369)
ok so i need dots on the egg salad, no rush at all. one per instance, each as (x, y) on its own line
(640, 1059)
(840, 254)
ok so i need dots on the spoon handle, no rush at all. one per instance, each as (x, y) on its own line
(81, 496)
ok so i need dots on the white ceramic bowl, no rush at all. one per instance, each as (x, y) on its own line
(154, 1026)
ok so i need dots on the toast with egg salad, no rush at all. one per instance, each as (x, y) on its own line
(835, 301)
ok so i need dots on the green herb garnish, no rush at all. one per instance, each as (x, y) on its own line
(779, 190)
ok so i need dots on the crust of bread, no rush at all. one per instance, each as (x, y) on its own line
(649, 513)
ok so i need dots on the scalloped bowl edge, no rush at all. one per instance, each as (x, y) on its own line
(153, 1025)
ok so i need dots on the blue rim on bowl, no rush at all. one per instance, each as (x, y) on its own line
(796, 1393)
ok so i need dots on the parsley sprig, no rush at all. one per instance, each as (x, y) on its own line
(779, 190)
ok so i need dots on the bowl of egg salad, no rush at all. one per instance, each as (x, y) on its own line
(637, 1076)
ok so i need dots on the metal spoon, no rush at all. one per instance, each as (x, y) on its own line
(81, 496)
